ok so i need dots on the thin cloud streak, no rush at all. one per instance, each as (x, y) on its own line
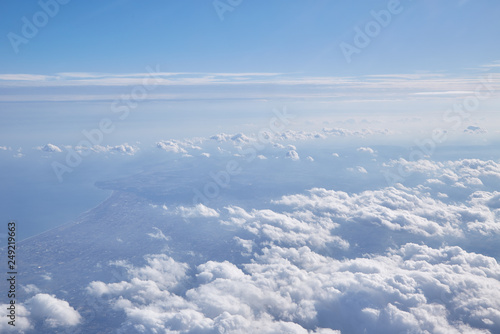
(23, 87)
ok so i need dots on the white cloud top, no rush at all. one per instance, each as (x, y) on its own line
(328, 261)
(49, 148)
(199, 210)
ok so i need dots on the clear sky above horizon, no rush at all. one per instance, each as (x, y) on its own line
(64, 64)
(292, 36)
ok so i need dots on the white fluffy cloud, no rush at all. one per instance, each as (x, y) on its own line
(292, 155)
(22, 320)
(238, 138)
(199, 210)
(180, 146)
(184, 146)
(395, 259)
(453, 177)
(49, 148)
(171, 146)
(401, 209)
(414, 288)
(292, 229)
(301, 272)
(339, 132)
(366, 150)
(226, 300)
(52, 311)
(122, 149)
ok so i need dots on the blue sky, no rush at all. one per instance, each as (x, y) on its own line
(263, 54)
(286, 36)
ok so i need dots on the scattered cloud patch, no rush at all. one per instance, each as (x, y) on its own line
(357, 169)
(366, 150)
(171, 146)
(199, 210)
(22, 320)
(340, 132)
(123, 149)
(49, 148)
(238, 138)
(52, 311)
(31, 288)
(292, 155)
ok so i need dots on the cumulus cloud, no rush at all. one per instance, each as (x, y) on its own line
(468, 174)
(295, 135)
(366, 150)
(226, 300)
(293, 229)
(199, 210)
(395, 259)
(122, 149)
(238, 138)
(292, 155)
(184, 146)
(339, 132)
(171, 146)
(49, 148)
(52, 311)
(394, 208)
(22, 319)
(389, 260)
(413, 288)
(221, 137)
